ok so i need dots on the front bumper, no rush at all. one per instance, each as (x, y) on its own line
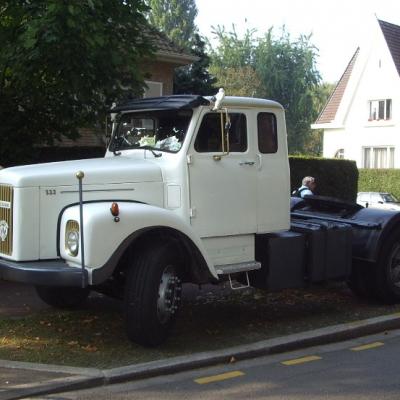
(46, 273)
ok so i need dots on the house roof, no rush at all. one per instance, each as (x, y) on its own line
(329, 112)
(167, 50)
(391, 33)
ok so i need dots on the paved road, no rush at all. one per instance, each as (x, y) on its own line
(366, 368)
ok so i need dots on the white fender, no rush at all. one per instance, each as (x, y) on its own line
(102, 235)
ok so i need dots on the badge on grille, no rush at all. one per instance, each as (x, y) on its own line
(3, 230)
(5, 204)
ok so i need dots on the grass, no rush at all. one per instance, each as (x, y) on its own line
(209, 319)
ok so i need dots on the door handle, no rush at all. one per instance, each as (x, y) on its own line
(247, 163)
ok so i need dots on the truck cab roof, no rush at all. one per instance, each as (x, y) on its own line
(175, 102)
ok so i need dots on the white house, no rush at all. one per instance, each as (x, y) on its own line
(361, 120)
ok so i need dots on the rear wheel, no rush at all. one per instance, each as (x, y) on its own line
(153, 294)
(62, 297)
(387, 274)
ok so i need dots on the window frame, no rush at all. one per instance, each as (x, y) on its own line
(274, 141)
(153, 86)
(380, 110)
(339, 154)
(219, 150)
(390, 156)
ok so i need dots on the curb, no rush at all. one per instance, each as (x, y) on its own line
(84, 378)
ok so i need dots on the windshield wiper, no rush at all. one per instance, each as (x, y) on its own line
(156, 155)
(118, 143)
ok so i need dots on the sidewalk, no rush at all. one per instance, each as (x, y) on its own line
(19, 380)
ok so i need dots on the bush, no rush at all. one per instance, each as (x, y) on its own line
(335, 178)
(379, 180)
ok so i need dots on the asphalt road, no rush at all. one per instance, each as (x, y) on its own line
(365, 368)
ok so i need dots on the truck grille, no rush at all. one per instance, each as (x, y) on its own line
(6, 219)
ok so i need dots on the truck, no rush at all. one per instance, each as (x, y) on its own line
(191, 189)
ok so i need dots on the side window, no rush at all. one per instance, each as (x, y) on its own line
(267, 135)
(209, 135)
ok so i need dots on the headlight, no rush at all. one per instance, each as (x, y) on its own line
(72, 238)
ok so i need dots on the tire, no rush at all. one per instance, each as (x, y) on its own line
(387, 273)
(62, 297)
(152, 294)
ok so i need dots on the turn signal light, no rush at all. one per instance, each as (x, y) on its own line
(114, 209)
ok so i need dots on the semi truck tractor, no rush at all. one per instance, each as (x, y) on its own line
(191, 189)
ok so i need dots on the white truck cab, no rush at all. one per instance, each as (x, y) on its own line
(189, 190)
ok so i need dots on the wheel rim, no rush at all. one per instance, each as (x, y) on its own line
(169, 294)
(394, 265)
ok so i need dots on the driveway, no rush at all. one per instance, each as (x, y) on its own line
(18, 300)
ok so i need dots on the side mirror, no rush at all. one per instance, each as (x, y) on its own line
(108, 130)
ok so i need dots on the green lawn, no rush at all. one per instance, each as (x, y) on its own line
(95, 336)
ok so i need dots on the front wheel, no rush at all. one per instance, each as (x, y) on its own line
(62, 297)
(153, 294)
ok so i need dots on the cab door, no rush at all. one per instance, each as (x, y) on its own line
(222, 181)
(273, 175)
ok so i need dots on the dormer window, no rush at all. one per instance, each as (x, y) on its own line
(380, 110)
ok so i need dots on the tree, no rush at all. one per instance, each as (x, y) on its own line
(288, 72)
(233, 62)
(176, 18)
(321, 95)
(195, 78)
(62, 64)
(277, 68)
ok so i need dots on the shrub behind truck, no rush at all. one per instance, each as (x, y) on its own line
(189, 190)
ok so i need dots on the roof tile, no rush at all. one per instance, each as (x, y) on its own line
(329, 112)
(391, 33)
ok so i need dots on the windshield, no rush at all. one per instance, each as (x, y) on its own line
(162, 130)
(389, 198)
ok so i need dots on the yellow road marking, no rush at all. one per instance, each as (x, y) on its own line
(367, 346)
(356, 323)
(220, 377)
(301, 360)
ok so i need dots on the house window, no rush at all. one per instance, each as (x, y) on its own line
(380, 110)
(378, 157)
(153, 89)
(339, 154)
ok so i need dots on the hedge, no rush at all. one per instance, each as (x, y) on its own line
(379, 180)
(334, 177)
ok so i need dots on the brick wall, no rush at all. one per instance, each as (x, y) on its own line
(159, 71)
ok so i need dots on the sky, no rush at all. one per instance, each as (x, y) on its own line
(337, 27)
